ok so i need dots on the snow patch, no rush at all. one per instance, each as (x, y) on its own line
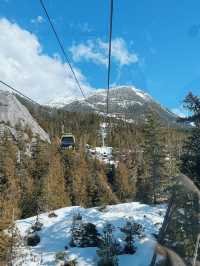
(55, 234)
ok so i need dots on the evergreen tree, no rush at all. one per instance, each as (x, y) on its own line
(54, 187)
(107, 250)
(79, 182)
(102, 191)
(154, 159)
(183, 228)
(89, 235)
(123, 185)
(191, 154)
(76, 230)
(131, 230)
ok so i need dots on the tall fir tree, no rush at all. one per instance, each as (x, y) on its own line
(191, 154)
(153, 159)
(54, 187)
(123, 184)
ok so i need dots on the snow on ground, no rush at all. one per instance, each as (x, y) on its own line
(103, 154)
(55, 234)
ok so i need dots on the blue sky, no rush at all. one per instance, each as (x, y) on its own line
(156, 43)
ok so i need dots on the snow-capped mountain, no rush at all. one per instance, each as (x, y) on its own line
(12, 112)
(61, 101)
(124, 101)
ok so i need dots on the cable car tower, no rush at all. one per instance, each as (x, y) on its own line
(103, 131)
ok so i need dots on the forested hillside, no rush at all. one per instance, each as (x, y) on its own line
(148, 157)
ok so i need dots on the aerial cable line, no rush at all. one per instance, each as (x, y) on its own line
(62, 47)
(109, 54)
(18, 92)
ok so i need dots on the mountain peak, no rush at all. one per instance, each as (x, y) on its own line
(13, 112)
(124, 101)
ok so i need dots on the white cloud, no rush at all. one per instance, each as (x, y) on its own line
(37, 20)
(83, 27)
(88, 52)
(180, 111)
(25, 66)
(97, 52)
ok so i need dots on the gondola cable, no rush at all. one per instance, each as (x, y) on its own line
(62, 48)
(18, 92)
(105, 124)
(109, 54)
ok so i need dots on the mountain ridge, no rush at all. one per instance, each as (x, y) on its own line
(124, 101)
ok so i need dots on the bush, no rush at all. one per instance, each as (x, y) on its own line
(52, 215)
(33, 239)
(102, 208)
(37, 226)
(107, 249)
(131, 230)
(60, 255)
(89, 235)
(70, 263)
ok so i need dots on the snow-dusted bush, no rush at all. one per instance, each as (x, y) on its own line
(33, 239)
(60, 255)
(76, 230)
(89, 235)
(52, 215)
(107, 251)
(63, 259)
(83, 234)
(37, 226)
(131, 230)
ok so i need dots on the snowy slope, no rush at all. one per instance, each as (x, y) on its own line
(13, 112)
(125, 102)
(55, 234)
(61, 101)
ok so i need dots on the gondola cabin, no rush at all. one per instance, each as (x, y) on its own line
(67, 141)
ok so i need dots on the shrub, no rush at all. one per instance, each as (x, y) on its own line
(60, 255)
(33, 239)
(52, 215)
(37, 226)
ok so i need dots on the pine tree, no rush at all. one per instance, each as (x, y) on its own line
(39, 170)
(154, 158)
(5, 243)
(54, 187)
(123, 185)
(107, 250)
(191, 154)
(172, 152)
(183, 228)
(79, 182)
(102, 191)
(76, 230)
(131, 230)
(86, 235)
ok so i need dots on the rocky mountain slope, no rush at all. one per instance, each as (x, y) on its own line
(13, 113)
(125, 102)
